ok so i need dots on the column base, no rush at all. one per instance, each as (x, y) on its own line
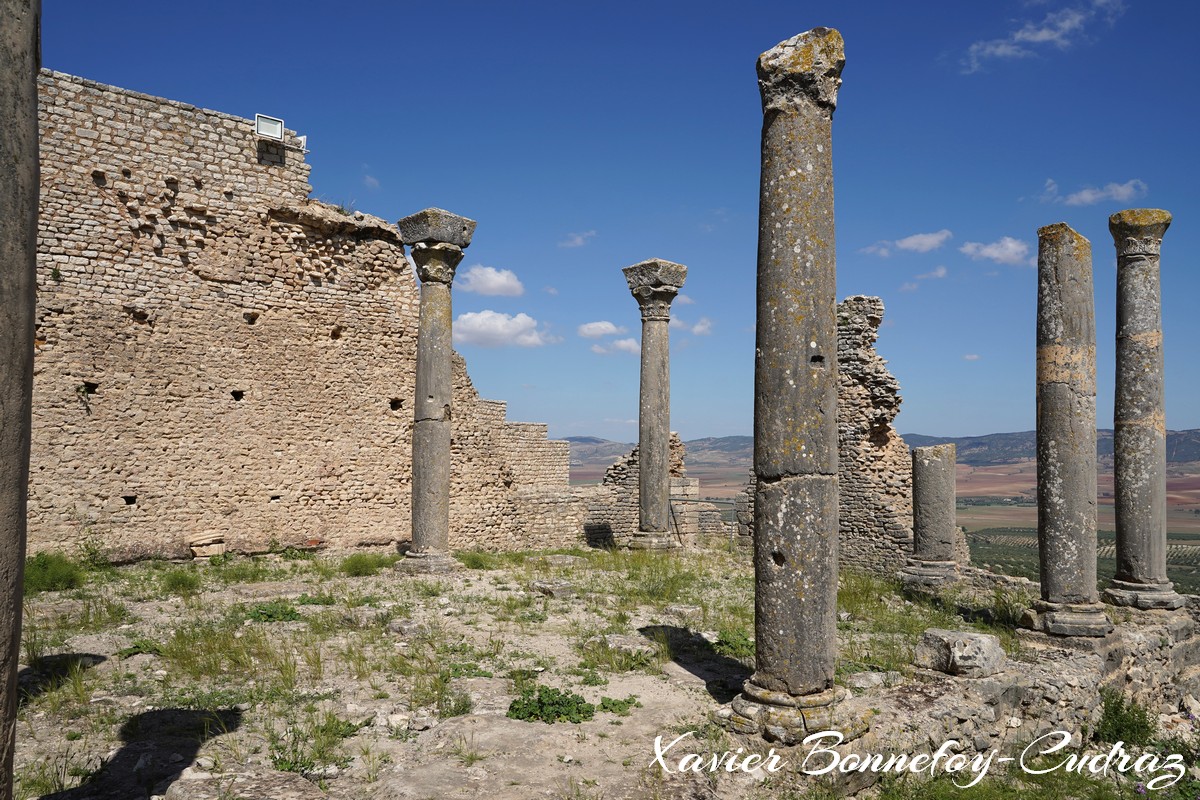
(929, 573)
(435, 563)
(1145, 596)
(1067, 619)
(652, 540)
(787, 719)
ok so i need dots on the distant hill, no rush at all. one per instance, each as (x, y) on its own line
(1007, 448)
(978, 451)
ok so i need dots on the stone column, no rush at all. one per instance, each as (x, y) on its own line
(934, 520)
(654, 284)
(795, 399)
(1140, 435)
(438, 239)
(1066, 436)
(19, 62)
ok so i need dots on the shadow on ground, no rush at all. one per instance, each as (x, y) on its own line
(157, 745)
(51, 672)
(723, 676)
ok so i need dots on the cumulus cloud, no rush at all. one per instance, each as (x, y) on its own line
(936, 272)
(703, 326)
(627, 346)
(916, 243)
(599, 349)
(490, 281)
(493, 329)
(370, 181)
(550, 290)
(577, 239)
(1060, 29)
(1005, 250)
(594, 330)
(908, 287)
(971, 357)
(683, 300)
(1090, 195)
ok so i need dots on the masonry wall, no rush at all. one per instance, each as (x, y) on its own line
(874, 464)
(219, 357)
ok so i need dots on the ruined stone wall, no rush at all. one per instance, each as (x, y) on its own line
(874, 464)
(219, 357)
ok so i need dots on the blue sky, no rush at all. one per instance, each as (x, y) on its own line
(585, 137)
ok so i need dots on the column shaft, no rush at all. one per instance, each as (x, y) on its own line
(431, 424)
(19, 33)
(934, 516)
(654, 429)
(1140, 434)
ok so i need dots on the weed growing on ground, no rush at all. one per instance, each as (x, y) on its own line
(52, 572)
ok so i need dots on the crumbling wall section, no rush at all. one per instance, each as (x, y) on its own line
(220, 359)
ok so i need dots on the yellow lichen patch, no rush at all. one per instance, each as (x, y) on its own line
(1065, 231)
(1139, 218)
(1065, 364)
(1148, 339)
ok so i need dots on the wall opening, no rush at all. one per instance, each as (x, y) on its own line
(336, 333)
(130, 499)
(237, 395)
(395, 404)
(251, 317)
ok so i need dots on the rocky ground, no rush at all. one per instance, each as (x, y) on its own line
(300, 676)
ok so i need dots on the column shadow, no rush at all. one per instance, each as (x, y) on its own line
(723, 676)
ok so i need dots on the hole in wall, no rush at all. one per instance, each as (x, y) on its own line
(251, 317)
(127, 172)
(130, 499)
(817, 361)
(395, 404)
(778, 558)
(99, 177)
(138, 315)
(275, 498)
(237, 394)
(88, 388)
(336, 333)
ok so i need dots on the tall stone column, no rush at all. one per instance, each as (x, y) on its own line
(19, 62)
(438, 239)
(1140, 435)
(934, 520)
(1066, 436)
(795, 399)
(654, 284)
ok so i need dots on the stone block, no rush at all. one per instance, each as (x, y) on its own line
(970, 655)
(436, 225)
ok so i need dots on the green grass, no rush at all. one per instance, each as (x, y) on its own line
(52, 572)
(181, 581)
(360, 565)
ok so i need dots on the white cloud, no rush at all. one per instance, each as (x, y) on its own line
(1120, 192)
(703, 327)
(936, 272)
(490, 281)
(627, 346)
(916, 243)
(599, 349)
(1089, 195)
(550, 290)
(621, 421)
(908, 287)
(594, 330)
(1005, 250)
(370, 181)
(1059, 29)
(971, 357)
(924, 242)
(577, 239)
(684, 300)
(493, 329)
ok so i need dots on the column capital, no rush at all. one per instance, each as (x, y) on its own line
(436, 225)
(654, 284)
(809, 65)
(1138, 232)
(436, 262)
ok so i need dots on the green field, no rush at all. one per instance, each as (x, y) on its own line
(1014, 551)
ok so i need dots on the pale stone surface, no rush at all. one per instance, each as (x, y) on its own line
(1066, 435)
(934, 525)
(436, 225)
(795, 393)
(177, 268)
(19, 52)
(971, 655)
(654, 284)
(1140, 433)
(259, 785)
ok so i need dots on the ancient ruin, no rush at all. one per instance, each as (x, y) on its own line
(791, 691)
(19, 54)
(654, 284)
(1066, 436)
(438, 239)
(934, 529)
(1140, 430)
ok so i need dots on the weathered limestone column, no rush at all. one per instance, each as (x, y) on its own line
(934, 517)
(1066, 436)
(437, 238)
(654, 284)
(19, 62)
(1140, 435)
(795, 399)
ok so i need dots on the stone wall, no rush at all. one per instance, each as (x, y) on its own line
(220, 358)
(874, 464)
